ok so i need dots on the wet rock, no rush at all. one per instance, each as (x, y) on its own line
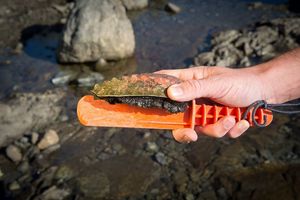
(245, 62)
(94, 185)
(34, 137)
(14, 153)
(135, 4)
(171, 7)
(189, 196)
(64, 173)
(64, 77)
(50, 138)
(27, 112)
(55, 193)
(151, 147)
(89, 79)
(24, 167)
(206, 59)
(161, 158)
(19, 48)
(22, 144)
(97, 29)
(14, 186)
(225, 37)
(264, 41)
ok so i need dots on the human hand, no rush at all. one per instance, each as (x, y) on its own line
(230, 87)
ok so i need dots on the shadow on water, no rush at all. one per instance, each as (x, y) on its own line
(41, 41)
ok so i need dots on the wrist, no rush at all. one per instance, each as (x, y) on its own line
(280, 77)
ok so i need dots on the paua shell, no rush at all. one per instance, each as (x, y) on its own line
(144, 90)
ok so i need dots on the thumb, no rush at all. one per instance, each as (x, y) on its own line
(192, 89)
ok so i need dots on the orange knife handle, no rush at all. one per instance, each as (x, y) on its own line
(203, 114)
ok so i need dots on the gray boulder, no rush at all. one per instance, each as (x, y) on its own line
(97, 29)
(26, 112)
(135, 4)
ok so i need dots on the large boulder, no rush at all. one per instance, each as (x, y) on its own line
(27, 112)
(97, 29)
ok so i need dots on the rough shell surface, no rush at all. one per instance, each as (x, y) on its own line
(136, 85)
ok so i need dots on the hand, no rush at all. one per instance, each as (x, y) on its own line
(230, 87)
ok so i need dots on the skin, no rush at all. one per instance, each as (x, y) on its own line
(275, 81)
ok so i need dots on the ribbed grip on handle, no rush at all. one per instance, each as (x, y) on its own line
(203, 114)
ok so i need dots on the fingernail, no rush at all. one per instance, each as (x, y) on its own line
(176, 90)
(243, 126)
(228, 123)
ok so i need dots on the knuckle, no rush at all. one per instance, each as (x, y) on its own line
(193, 85)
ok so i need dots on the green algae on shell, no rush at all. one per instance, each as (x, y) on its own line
(144, 90)
(136, 85)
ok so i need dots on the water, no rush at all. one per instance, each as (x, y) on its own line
(163, 41)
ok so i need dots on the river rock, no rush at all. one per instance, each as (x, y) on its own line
(64, 77)
(89, 79)
(55, 193)
(161, 158)
(171, 7)
(34, 137)
(49, 139)
(26, 112)
(97, 29)
(236, 48)
(151, 147)
(95, 185)
(14, 153)
(14, 186)
(135, 4)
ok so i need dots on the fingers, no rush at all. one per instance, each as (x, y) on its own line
(219, 129)
(239, 129)
(185, 135)
(224, 126)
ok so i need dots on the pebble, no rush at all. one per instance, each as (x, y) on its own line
(89, 79)
(14, 186)
(24, 140)
(24, 167)
(101, 63)
(14, 153)
(171, 7)
(147, 135)
(189, 196)
(161, 158)
(50, 138)
(63, 118)
(54, 193)
(64, 173)
(34, 137)
(19, 48)
(64, 77)
(151, 146)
